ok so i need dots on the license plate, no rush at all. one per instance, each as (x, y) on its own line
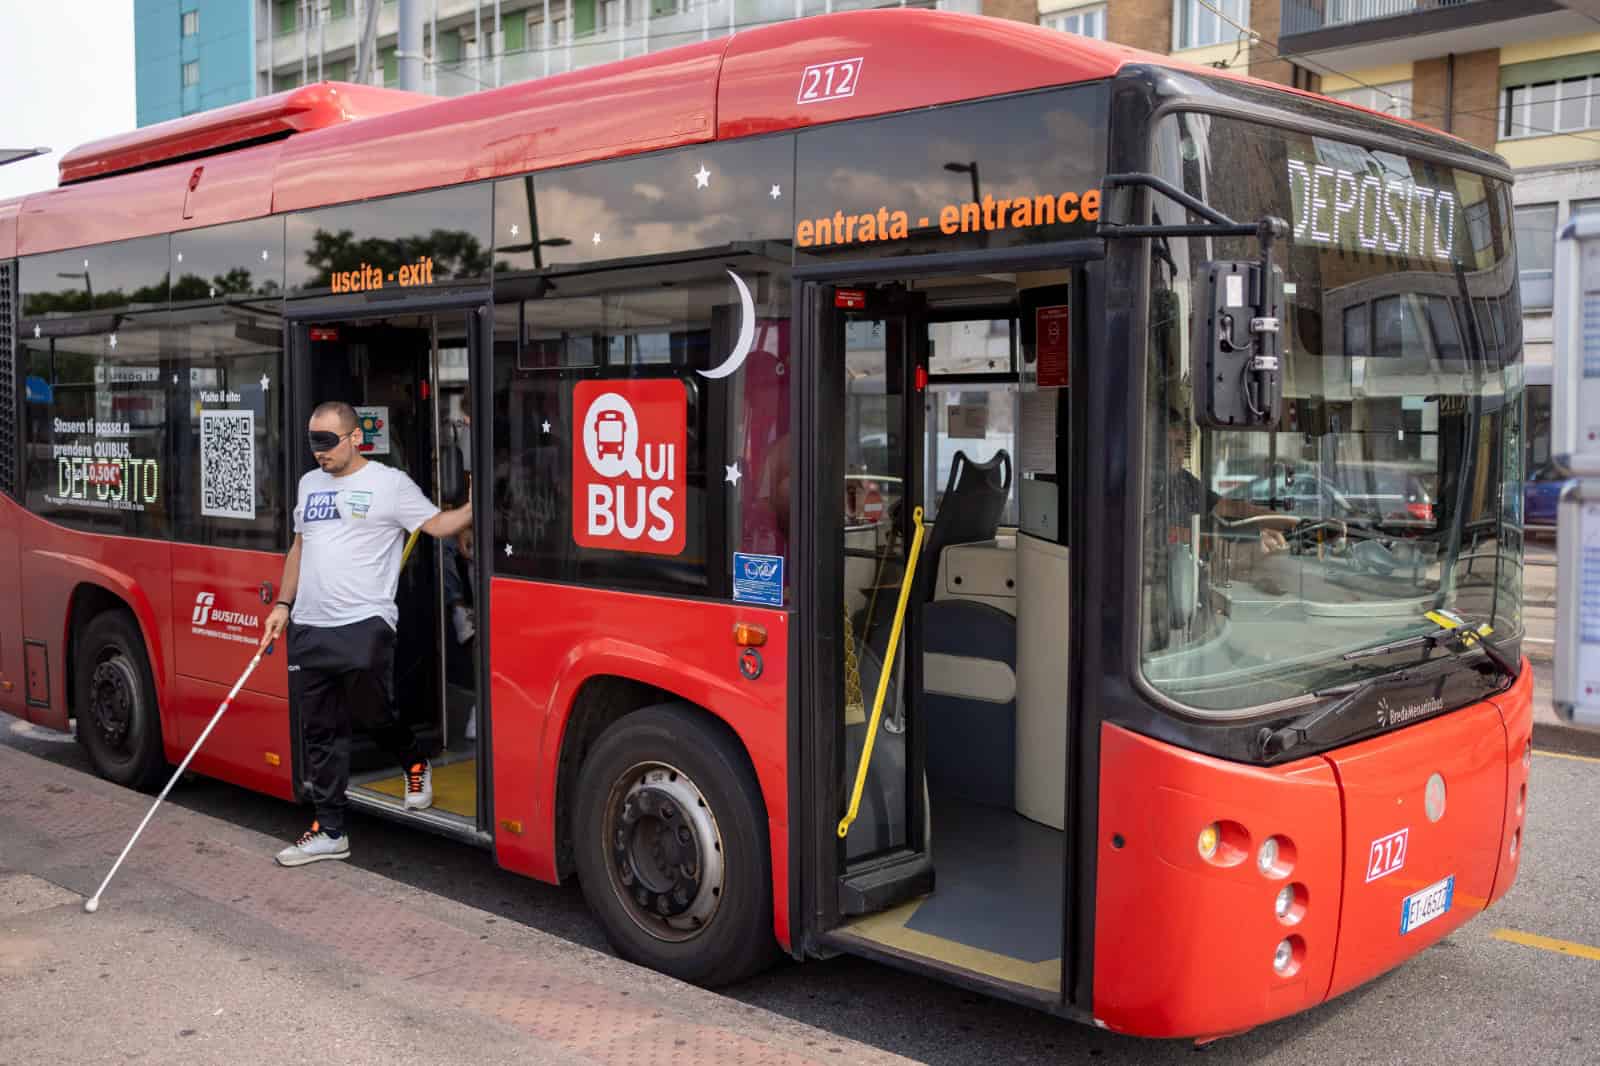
(1420, 908)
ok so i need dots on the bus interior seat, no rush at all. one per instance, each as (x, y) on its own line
(969, 511)
(969, 701)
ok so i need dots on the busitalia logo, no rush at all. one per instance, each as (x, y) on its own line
(205, 611)
(627, 466)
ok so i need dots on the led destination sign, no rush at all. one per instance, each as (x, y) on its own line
(1385, 212)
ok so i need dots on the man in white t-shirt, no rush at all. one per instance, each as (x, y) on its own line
(350, 524)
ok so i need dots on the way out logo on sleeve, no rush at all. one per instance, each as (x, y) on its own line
(627, 465)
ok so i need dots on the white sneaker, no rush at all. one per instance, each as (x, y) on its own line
(419, 787)
(315, 846)
(472, 723)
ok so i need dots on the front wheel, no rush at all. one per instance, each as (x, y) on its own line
(118, 722)
(671, 847)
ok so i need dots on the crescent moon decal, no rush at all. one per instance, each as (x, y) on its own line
(747, 332)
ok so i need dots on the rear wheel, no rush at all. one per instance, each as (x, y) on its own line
(118, 722)
(671, 847)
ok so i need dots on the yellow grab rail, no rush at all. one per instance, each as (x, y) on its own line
(410, 543)
(883, 676)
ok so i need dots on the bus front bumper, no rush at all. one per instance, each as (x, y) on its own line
(1378, 850)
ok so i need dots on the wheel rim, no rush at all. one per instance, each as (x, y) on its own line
(114, 701)
(664, 852)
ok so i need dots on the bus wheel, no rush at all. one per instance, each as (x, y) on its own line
(672, 848)
(118, 723)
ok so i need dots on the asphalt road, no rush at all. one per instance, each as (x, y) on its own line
(1477, 997)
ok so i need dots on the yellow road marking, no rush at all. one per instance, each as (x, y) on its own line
(1564, 755)
(1548, 943)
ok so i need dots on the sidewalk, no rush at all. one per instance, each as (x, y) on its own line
(204, 951)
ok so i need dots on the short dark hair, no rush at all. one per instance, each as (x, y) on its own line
(347, 414)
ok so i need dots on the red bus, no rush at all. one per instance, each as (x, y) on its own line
(1108, 735)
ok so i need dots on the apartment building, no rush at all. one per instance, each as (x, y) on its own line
(187, 59)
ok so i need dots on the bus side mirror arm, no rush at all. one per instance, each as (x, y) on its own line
(1238, 308)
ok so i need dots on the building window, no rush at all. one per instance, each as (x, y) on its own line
(1391, 98)
(191, 23)
(1199, 23)
(610, 15)
(1578, 207)
(1547, 107)
(1536, 238)
(191, 73)
(1087, 21)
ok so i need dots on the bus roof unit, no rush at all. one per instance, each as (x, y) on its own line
(312, 107)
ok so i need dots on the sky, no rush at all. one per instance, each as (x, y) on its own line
(66, 74)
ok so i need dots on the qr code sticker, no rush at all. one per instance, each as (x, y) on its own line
(228, 464)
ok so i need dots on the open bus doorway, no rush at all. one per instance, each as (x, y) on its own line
(956, 856)
(408, 377)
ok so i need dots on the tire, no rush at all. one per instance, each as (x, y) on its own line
(668, 812)
(119, 724)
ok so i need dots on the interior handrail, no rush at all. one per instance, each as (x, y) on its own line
(883, 676)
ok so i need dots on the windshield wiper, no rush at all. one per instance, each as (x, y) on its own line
(1271, 743)
(1424, 640)
(1455, 634)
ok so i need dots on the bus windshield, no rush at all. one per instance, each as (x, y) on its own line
(1389, 488)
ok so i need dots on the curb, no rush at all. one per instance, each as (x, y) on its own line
(1566, 739)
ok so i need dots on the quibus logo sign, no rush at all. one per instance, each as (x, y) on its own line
(627, 466)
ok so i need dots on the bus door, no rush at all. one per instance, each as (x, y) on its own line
(408, 377)
(943, 395)
(876, 336)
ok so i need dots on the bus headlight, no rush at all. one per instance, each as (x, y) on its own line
(1290, 904)
(1275, 858)
(1288, 955)
(1208, 842)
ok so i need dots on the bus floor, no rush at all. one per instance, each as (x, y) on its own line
(995, 910)
(455, 784)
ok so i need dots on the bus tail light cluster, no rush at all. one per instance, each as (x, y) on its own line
(1226, 843)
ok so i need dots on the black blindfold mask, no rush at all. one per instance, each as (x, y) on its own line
(323, 441)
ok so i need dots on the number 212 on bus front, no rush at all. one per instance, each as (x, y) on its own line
(1387, 854)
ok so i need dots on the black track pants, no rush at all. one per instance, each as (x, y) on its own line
(340, 677)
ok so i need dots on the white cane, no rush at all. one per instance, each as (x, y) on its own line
(92, 904)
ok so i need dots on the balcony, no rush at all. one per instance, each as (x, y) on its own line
(1304, 16)
(1358, 34)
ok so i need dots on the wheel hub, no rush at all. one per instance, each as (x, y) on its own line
(113, 693)
(667, 854)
